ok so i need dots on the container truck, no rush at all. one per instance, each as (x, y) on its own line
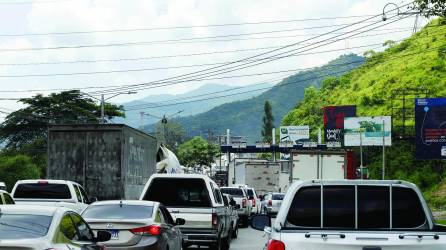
(111, 161)
(263, 176)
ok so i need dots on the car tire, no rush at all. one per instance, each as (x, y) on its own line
(235, 232)
(217, 245)
(226, 242)
(245, 222)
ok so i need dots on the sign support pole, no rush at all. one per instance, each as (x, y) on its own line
(384, 153)
(360, 148)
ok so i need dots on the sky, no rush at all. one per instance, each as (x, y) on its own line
(129, 38)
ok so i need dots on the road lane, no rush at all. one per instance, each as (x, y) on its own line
(248, 239)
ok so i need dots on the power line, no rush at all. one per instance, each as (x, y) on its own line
(165, 42)
(34, 2)
(186, 27)
(160, 68)
(276, 86)
(238, 67)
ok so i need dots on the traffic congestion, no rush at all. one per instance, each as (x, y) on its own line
(180, 211)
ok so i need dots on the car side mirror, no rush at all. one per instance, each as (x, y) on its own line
(180, 221)
(93, 199)
(103, 236)
(260, 221)
(237, 206)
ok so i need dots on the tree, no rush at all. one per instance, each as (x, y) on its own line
(24, 132)
(29, 124)
(268, 123)
(197, 151)
(431, 7)
(18, 167)
(174, 134)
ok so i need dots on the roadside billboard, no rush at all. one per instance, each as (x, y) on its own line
(334, 123)
(430, 128)
(368, 131)
(295, 134)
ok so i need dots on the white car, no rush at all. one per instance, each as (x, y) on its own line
(51, 193)
(352, 215)
(44, 227)
(135, 224)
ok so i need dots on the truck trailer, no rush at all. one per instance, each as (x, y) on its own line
(111, 161)
(261, 175)
(322, 164)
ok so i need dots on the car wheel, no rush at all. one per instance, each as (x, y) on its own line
(227, 241)
(216, 245)
(235, 232)
(245, 222)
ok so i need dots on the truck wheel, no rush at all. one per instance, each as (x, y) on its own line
(226, 242)
(235, 232)
(216, 245)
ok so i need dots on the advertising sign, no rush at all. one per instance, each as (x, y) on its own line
(368, 131)
(295, 134)
(430, 128)
(334, 123)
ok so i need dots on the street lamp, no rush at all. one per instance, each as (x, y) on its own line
(103, 99)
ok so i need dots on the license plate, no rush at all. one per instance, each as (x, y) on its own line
(114, 234)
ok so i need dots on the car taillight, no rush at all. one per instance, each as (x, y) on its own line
(270, 203)
(244, 201)
(152, 230)
(254, 203)
(214, 221)
(275, 245)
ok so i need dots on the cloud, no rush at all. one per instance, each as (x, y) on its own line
(91, 15)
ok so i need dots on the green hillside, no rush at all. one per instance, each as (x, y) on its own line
(245, 117)
(418, 62)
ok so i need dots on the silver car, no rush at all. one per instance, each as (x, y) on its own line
(135, 224)
(44, 227)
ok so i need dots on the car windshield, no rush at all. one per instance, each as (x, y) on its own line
(236, 192)
(23, 226)
(177, 192)
(42, 191)
(278, 197)
(117, 211)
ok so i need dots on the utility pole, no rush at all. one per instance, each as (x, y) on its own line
(103, 99)
(102, 109)
(360, 148)
(274, 144)
(384, 152)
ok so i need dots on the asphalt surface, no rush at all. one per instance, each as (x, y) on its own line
(248, 239)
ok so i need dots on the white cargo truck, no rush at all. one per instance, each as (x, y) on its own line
(263, 176)
(312, 165)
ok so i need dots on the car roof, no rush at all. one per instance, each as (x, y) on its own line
(182, 176)
(31, 209)
(126, 202)
(45, 180)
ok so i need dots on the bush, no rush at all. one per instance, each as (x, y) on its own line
(18, 167)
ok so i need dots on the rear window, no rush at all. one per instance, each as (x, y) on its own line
(278, 197)
(236, 192)
(42, 191)
(23, 226)
(373, 206)
(176, 192)
(116, 211)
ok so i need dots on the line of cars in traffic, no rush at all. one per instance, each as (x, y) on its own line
(174, 211)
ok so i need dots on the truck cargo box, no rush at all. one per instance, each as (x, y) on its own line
(112, 161)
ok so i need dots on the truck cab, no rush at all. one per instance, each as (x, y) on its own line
(198, 200)
(51, 193)
(352, 215)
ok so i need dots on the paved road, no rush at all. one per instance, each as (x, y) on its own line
(248, 239)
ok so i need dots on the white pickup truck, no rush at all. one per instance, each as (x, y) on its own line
(198, 200)
(353, 215)
(51, 193)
